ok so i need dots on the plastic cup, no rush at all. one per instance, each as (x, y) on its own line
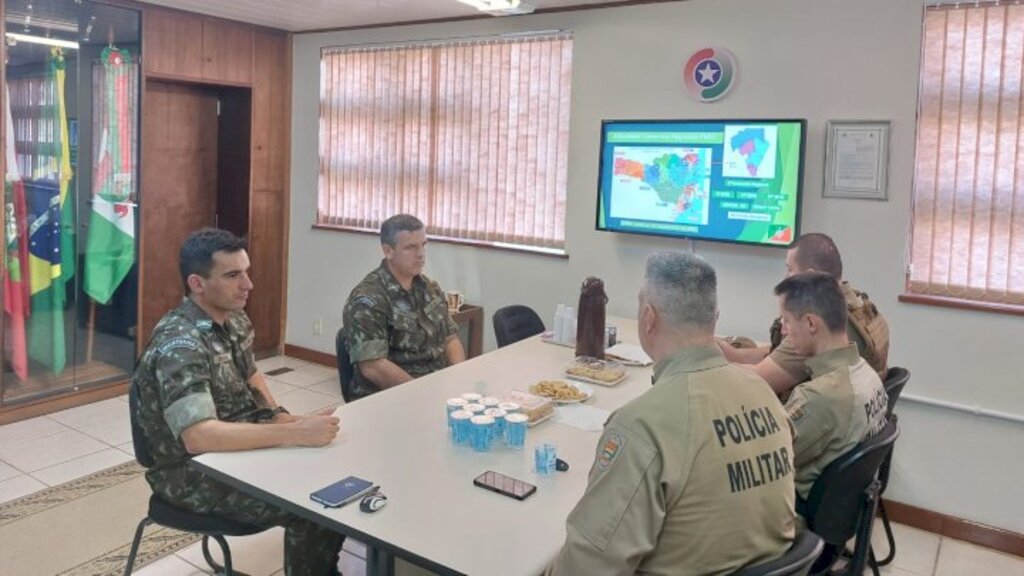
(472, 397)
(490, 402)
(499, 422)
(460, 428)
(509, 407)
(474, 408)
(452, 405)
(544, 456)
(515, 430)
(482, 433)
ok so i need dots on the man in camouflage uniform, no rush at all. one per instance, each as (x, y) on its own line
(694, 476)
(397, 323)
(200, 391)
(844, 402)
(782, 366)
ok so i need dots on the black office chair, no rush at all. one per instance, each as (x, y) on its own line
(895, 379)
(163, 513)
(515, 323)
(346, 372)
(843, 501)
(806, 548)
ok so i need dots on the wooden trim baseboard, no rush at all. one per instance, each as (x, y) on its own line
(56, 403)
(314, 356)
(958, 528)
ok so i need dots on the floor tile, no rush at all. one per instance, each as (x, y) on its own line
(94, 413)
(19, 486)
(958, 558)
(916, 550)
(350, 565)
(116, 429)
(8, 471)
(257, 555)
(123, 398)
(128, 448)
(278, 388)
(892, 570)
(170, 566)
(67, 471)
(45, 452)
(403, 568)
(32, 429)
(303, 402)
(273, 363)
(306, 376)
(331, 387)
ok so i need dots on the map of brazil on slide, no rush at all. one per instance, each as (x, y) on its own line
(662, 184)
(749, 152)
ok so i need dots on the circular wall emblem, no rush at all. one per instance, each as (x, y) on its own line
(709, 73)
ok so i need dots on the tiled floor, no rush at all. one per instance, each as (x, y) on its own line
(59, 447)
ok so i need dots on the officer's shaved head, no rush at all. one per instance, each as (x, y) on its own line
(682, 288)
(196, 256)
(814, 293)
(817, 251)
(397, 224)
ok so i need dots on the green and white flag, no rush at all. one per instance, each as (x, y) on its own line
(110, 249)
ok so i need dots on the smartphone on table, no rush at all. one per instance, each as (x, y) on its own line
(342, 492)
(506, 485)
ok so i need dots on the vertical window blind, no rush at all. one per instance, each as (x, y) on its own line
(968, 214)
(469, 135)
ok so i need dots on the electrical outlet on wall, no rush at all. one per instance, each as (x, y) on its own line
(318, 327)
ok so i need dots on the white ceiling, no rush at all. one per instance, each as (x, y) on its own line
(299, 15)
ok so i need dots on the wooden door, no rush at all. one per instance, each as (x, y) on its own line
(179, 188)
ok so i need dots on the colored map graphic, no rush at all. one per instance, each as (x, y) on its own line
(749, 151)
(661, 183)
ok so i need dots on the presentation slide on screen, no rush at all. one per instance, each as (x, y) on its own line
(734, 181)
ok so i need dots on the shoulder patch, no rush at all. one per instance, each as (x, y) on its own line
(365, 300)
(181, 342)
(797, 411)
(204, 324)
(610, 448)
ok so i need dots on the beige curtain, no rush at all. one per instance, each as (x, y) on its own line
(471, 136)
(968, 218)
(35, 137)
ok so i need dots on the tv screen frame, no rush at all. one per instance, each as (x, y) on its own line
(691, 122)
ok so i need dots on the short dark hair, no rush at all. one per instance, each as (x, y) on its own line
(196, 256)
(391, 227)
(816, 251)
(814, 293)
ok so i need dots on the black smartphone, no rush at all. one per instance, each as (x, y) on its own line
(506, 485)
(342, 492)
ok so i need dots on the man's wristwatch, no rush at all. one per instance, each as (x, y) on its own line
(280, 410)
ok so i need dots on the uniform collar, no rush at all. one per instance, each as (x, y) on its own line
(693, 359)
(197, 315)
(832, 360)
(391, 282)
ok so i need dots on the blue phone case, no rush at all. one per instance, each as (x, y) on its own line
(342, 492)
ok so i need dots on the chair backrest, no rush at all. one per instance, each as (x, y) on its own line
(895, 379)
(837, 496)
(515, 323)
(346, 372)
(797, 561)
(140, 442)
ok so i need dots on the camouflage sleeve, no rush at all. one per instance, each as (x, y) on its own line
(451, 326)
(789, 360)
(246, 336)
(366, 327)
(183, 376)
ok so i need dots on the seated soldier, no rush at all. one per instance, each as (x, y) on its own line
(695, 475)
(397, 323)
(778, 363)
(844, 402)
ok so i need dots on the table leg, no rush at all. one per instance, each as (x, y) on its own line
(379, 562)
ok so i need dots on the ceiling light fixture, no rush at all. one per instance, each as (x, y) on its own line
(500, 7)
(42, 40)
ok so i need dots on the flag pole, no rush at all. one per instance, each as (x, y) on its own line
(90, 334)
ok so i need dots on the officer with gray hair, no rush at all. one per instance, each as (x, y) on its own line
(695, 475)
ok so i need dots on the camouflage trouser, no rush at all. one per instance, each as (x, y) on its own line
(309, 549)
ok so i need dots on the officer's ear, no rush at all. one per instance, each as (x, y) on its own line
(195, 283)
(814, 323)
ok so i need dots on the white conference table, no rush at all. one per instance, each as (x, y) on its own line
(435, 517)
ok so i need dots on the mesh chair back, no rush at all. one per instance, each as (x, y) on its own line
(346, 372)
(895, 379)
(140, 442)
(515, 323)
(837, 497)
(797, 561)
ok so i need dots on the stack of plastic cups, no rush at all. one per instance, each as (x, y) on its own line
(452, 405)
(499, 422)
(515, 430)
(461, 432)
(483, 433)
(476, 409)
(509, 407)
(490, 402)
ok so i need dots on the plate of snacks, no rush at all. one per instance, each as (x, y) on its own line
(595, 371)
(561, 391)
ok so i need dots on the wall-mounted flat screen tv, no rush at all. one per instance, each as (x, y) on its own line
(722, 180)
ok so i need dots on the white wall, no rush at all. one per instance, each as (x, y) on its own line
(814, 59)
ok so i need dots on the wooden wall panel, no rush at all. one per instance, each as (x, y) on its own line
(227, 52)
(266, 240)
(179, 188)
(269, 115)
(172, 44)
